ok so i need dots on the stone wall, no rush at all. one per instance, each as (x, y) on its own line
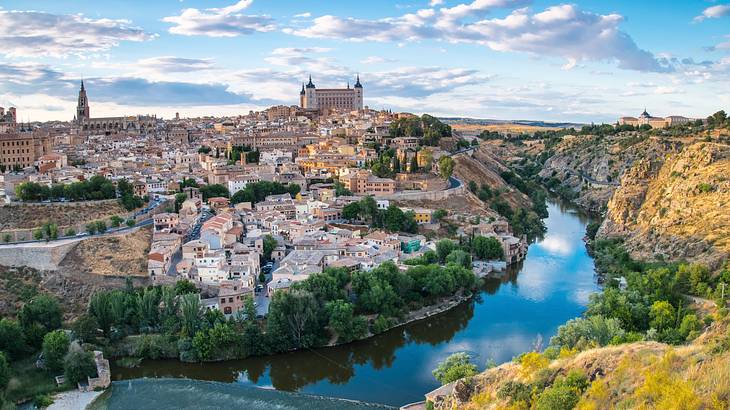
(424, 195)
(40, 256)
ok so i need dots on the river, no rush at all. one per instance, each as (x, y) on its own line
(509, 316)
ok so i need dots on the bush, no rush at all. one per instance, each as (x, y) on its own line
(532, 363)
(557, 398)
(42, 401)
(55, 347)
(455, 367)
(78, 365)
(4, 372)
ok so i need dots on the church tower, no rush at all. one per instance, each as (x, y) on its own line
(310, 95)
(82, 108)
(358, 94)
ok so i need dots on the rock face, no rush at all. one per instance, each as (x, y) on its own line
(589, 167)
(675, 208)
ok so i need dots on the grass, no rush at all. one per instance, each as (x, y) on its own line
(28, 382)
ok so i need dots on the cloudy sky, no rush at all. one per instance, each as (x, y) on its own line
(585, 61)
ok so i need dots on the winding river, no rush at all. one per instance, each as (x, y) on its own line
(510, 315)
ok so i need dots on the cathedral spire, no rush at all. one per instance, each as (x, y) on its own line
(82, 84)
(357, 83)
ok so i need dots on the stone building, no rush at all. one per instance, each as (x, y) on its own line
(138, 124)
(336, 99)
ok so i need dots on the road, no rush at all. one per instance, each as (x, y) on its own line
(113, 231)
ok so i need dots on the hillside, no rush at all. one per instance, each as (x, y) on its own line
(32, 215)
(588, 167)
(93, 264)
(647, 375)
(675, 209)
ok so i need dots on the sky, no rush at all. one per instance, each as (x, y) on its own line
(586, 61)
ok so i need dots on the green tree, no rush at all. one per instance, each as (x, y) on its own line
(351, 211)
(487, 248)
(343, 321)
(270, 244)
(184, 286)
(85, 328)
(5, 373)
(190, 313)
(662, 315)
(443, 248)
(115, 221)
(12, 340)
(455, 367)
(78, 365)
(439, 214)
(55, 347)
(293, 319)
(38, 317)
(557, 398)
(460, 258)
(446, 167)
(393, 218)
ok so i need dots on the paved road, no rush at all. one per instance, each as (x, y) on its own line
(84, 235)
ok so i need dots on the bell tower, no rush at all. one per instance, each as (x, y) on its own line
(82, 107)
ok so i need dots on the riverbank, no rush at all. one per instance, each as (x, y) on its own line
(73, 400)
(501, 320)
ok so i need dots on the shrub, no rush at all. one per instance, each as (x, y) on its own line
(455, 367)
(78, 365)
(557, 398)
(532, 363)
(55, 347)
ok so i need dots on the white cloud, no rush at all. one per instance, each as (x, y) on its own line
(433, 3)
(303, 15)
(219, 22)
(34, 34)
(167, 64)
(564, 31)
(375, 60)
(721, 10)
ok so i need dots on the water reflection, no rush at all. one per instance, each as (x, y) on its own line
(529, 301)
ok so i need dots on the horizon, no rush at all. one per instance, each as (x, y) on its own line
(582, 63)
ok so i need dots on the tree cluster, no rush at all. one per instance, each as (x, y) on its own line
(392, 219)
(258, 191)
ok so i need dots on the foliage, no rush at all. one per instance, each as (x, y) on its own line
(12, 340)
(184, 286)
(95, 188)
(588, 332)
(214, 191)
(38, 317)
(443, 248)
(487, 248)
(459, 257)
(270, 244)
(446, 167)
(293, 319)
(455, 367)
(531, 363)
(343, 321)
(78, 365)
(4, 371)
(557, 398)
(258, 191)
(55, 347)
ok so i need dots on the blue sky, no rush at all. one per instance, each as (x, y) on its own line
(587, 61)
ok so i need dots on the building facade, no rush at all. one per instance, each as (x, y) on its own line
(335, 99)
(108, 125)
(655, 122)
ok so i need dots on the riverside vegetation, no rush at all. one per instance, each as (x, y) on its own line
(656, 337)
(332, 307)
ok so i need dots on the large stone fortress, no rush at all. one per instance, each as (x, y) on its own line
(655, 122)
(137, 124)
(331, 99)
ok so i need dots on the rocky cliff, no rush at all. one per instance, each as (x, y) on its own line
(676, 207)
(588, 167)
(644, 375)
